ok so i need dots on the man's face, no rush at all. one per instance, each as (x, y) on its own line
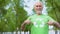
(38, 7)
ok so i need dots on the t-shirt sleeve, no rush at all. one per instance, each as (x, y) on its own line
(29, 18)
(51, 19)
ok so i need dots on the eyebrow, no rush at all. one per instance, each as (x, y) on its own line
(38, 5)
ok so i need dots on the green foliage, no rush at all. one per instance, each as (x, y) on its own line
(3, 11)
(8, 21)
(21, 14)
(11, 18)
(4, 2)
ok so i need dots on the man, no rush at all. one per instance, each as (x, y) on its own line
(40, 22)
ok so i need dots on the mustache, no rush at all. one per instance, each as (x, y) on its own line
(39, 12)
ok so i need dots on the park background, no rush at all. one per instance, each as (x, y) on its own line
(14, 12)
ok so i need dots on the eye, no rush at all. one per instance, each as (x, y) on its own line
(38, 6)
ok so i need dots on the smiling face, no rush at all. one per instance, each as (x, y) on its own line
(38, 7)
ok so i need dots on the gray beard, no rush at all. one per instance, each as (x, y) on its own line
(39, 12)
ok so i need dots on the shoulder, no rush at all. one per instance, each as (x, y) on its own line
(46, 16)
(31, 16)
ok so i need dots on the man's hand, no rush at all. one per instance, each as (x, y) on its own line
(50, 23)
(56, 24)
(23, 25)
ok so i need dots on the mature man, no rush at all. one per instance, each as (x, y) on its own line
(40, 22)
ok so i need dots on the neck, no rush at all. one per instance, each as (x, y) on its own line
(39, 14)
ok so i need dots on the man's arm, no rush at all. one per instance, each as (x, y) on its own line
(24, 23)
(54, 23)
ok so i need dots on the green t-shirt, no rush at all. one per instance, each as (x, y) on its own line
(40, 25)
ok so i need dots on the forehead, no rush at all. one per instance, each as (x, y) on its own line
(38, 3)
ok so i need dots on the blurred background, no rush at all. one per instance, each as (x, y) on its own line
(14, 12)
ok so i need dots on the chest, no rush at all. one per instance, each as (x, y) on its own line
(39, 21)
